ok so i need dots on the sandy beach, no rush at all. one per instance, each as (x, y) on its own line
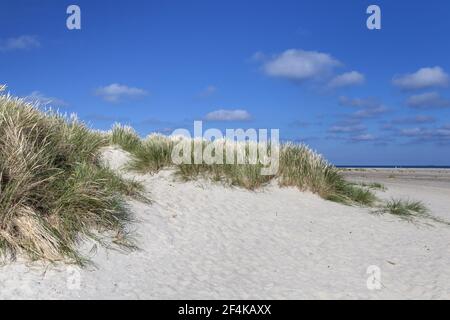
(154, 150)
(203, 240)
(432, 186)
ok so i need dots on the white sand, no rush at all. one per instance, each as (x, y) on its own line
(201, 240)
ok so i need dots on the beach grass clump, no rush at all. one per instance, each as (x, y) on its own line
(149, 155)
(347, 193)
(54, 189)
(303, 168)
(125, 137)
(412, 211)
(377, 186)
(372, 185)
(152, 154)
(244, 172)
(299, 166)
(240, 175)
(405, 209)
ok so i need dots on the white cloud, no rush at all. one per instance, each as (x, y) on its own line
(258, 56)
(19, 43)
(43, 100)
(423, 78)
(347, 128)
(300, 65)
(359, 102)
(368, 107)
(228, 115)
(347, 79)
(419, 119)
(437, 135)
(363, 137)
(440, 136)
(428, 100)
(208, 91)
(370, 112)
(116, 92)
(445, 130)
(413, 132)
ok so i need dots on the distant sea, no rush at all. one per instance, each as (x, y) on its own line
(394, 167)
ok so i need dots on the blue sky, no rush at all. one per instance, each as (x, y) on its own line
(310, 68)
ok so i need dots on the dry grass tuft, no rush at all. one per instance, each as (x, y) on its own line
(299, 166)
(53, 188)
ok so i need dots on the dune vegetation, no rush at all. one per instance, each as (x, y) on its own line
(405, 209)
(53, 188)
(409, 210)
(299, 166)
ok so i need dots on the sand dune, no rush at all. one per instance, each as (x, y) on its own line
(202, 240)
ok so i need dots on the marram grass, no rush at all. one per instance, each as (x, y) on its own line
(299, 166)
(153, 154)
(405, 209)
(125, 137)
(53, 188)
